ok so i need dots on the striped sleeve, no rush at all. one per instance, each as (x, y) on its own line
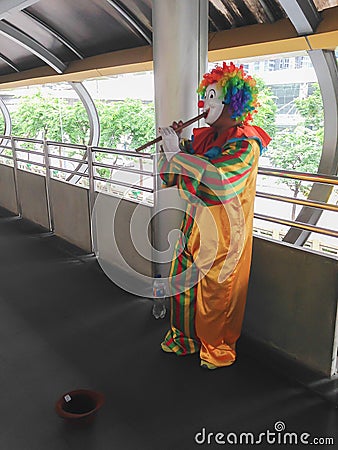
(233, 169)
(206, 182)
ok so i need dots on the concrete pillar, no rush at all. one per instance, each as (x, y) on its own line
(180, 45)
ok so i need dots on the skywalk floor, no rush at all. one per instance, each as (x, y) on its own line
(64, 325)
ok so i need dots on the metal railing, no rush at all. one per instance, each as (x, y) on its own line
(87, 166)
(90, 165)
(311, 243)
(302, 176)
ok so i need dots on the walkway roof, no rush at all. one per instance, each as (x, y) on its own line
(83, 38)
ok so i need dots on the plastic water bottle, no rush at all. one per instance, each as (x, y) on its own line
(159, 294)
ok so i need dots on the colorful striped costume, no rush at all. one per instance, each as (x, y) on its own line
(211, 265)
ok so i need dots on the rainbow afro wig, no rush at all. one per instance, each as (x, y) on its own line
(239, 90)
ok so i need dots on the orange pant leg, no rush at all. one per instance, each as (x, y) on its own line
(220, 302)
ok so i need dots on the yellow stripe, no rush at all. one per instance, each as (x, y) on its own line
(238, 166)
(187, 317)
(197, 171)
(219, 193)
(225, 190)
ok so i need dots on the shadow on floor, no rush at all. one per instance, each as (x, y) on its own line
(64, 325)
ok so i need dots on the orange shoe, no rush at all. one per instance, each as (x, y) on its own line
(210, 366)
(207, 365)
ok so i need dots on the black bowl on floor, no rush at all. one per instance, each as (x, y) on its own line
(79, 407)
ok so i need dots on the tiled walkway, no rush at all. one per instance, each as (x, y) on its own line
(64, 325)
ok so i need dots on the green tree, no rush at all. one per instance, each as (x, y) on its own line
(297, 150)
(134, 121)
(58, 120)
(37, 116)
(75, 124)
(266, 113)
(130, 122)
(300, 149)
(2, 124)
(311, 109)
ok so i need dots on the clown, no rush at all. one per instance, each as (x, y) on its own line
(216, 173)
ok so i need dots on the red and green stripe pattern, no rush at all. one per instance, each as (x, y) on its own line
(206, 182)
(181, 338)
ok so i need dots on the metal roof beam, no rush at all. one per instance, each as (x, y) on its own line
(325, 64)
(131, 19)
(31, 45)
(305, 18)
(303, 15)
(53, 32)
(8, 123)
(9, 62)
(94, 124)
(267, 10)
(7, 7)
(89, 104)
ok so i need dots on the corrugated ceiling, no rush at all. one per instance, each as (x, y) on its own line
(58, 32)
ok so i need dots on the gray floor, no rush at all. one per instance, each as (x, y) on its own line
(64, 325)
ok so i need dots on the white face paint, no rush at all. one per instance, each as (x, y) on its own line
(213, 105)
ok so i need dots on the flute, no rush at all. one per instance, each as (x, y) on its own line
(159, 138)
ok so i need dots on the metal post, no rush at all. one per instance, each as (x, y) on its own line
(94, 124)
(91, 191)
(180, 36)
(180, 29)
(16, 184)
(325, 65)
(8, 123)
(48, 178)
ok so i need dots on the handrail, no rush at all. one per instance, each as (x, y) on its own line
(115, 166)
(304, 176)
(47, 154)
(66, 158)
(298, 201)
(33, 163)
(34, 141)
(295, 224)
(61, 169)
(66, 144)
(122, 152)
(122, 183)
(33, 152)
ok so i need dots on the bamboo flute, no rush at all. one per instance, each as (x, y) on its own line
(159, 138)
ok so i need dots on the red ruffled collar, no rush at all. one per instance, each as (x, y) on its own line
(205, 137)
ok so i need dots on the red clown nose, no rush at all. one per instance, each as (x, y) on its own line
(200, 103)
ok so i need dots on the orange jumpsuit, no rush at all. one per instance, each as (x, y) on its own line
(211, 266)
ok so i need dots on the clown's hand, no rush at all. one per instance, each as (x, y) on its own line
(170, 142)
